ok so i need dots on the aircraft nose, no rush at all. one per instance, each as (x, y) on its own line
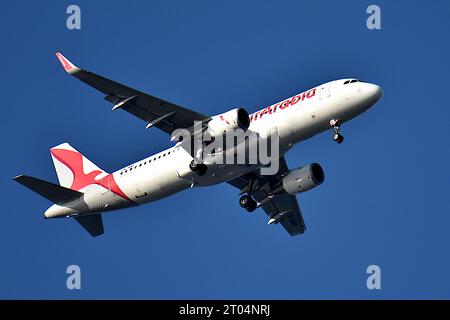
(375, 92)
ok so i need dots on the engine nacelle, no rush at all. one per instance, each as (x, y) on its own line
(303, 179)
(227, 122)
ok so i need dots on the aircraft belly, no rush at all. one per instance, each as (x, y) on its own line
(218, 173)
(99, 199)
(158, 183)
(95, 199)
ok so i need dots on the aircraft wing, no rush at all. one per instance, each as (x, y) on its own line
(155, 111)
(282, 207)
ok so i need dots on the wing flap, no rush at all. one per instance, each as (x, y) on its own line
(284, 209)
(281, 207)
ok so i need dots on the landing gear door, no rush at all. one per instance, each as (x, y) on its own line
(324, 91)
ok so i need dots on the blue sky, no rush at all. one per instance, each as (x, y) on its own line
(384, 201)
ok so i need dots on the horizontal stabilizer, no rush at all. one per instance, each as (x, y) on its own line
(92, 223)
(54, 193)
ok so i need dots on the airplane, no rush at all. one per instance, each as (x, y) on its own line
(85, 191)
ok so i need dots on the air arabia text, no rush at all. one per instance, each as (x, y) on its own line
(283, 105)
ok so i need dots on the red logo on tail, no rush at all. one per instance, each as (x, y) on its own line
(74, 161)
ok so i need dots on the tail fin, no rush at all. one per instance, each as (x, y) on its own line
(74, 170)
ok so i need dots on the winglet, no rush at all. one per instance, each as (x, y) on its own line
(67, 65)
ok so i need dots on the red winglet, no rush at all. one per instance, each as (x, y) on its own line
(67, 65)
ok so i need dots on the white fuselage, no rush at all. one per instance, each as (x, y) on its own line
(295, 119)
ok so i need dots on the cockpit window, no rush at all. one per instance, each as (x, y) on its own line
(351, 81)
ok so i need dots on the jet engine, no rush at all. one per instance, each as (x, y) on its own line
(225, 123)
(303, 179)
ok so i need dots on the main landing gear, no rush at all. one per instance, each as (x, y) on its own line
(247, 203)
(200, 168)
(337, 137)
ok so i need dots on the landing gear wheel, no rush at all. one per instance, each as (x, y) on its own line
(336, 124)
(247, 203)
(200, 168)
(244, 200)
(193, 165)
(338, 138)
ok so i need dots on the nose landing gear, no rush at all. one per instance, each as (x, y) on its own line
(247, 203)
(337, 137)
